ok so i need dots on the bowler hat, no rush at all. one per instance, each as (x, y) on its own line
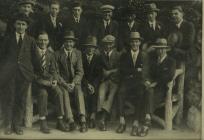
(135, 35)
(161, 43)
(32, 2)
(91, 41)
(108, 39)
(152, 7)
(76, 3)
(69, 35)
(22, 17)
(107, 8)
(179, 8)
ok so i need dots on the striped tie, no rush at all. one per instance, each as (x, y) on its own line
(43, 62)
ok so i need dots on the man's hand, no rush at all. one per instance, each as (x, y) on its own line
(147, 84)
(54, 83)
(153, 84)
(70, 87)
(91, 89)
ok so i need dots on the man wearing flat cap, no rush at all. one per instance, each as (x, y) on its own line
(130, 25)
(106, 25)
(18, 69)
(76, 22)
(109, 82)
(132, 86)
(91, 78)
(70, 67)
(151, 29)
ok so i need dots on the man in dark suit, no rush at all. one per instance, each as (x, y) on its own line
(52, 23)
(161, 71)
(132, 86)
(130, 25)
(106, 25)
(19, 72)
(70, 66)
(77, 23)
(91, 79)
(151, 29)
(46, 83)
(109, 82)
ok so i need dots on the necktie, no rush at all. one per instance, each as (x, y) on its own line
(89, 59)
(107, 56)
(152, 25)
(20, 41)
(43, 62)
(134, 57)
(69, 67)
(107, 29)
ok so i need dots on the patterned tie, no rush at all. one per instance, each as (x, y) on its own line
(43, 61)
(20, 41)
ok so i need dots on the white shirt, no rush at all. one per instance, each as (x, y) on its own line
(106, 23)
(68, 52)
(160, 60)
(109, 53)
(89, 58)
(18, 36)
(54, 20)
(179, 24)
(134, 56)
(77, 20)
(130, 24)
(152, 24)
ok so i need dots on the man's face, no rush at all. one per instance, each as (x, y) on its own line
(135, 44)
(151, 16)
(90, 50)
(108, 46)
(54, 9)
(131, 17)
(20, 26)
(25, 8)
(107, 15)
(77, 11)
(177, 16)
(43, 41)
(161, 52)
(69, 44)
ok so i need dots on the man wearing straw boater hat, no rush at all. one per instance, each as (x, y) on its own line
(132, 86)
(161, 71)
(151, 29)
(70, 67)
(91, 79)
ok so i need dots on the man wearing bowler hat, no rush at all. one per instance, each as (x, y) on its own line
(19, 72)
(151, 29)
(106, 25)
(91, 79)
(110, 78)
(132, 85)
(70, 68)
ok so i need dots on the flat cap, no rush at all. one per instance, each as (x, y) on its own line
(108, 39)
(107, 7)
(32, 2)
(179, 8)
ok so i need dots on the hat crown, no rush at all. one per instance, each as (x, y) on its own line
(91, 41)
(152, 7)
(108, 38)
(107, 7)
(161, 41)
(179, 8)
(135, 35)
(69, 35)
(27, 2)
(23, 17)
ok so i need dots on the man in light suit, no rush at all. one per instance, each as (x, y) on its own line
(18, 71)
(70, 66)
(109, 81)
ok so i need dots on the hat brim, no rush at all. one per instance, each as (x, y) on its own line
(135, 38)
(161, 47)
(90, 45)
(21, 3)
(70, 38)
(153, 10)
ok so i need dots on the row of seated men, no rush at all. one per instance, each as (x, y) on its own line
(91, 80)
(75, 73)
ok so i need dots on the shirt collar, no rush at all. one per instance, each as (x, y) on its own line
(163, 58)
(18, 35)
(41, 51)
(67, 52)
(130, 24)
(179, 24)
(136, 52)
(76, 19)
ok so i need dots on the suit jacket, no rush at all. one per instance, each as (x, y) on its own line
(149, 34)
(77, 71)
(113, 63)
(124, 32)
(15, 58)
(99, 29)
(92, 71)
(50, 72)
(127, 69)
(163, 72)
(55, 33)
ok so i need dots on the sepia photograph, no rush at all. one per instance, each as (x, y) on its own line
(101, 69)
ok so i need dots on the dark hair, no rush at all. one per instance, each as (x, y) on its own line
(54, 2)
(42, 32)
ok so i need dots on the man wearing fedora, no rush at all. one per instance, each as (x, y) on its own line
(161, 71)
(131, 24)
(151, 29)
(70, 68)
(106, 25)
(91, 79)
(132, 85)
(18, 69)
(109, 82)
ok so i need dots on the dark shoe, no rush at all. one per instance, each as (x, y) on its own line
(83, 127)
(92, 123)
(8, 130)
(121, 128)
(144, 131)
(61, 126)
(43, 127)
(134, 131)
(102, 126)
(18, 131)
(72, 126)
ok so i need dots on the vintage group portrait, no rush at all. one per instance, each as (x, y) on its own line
(101, 69)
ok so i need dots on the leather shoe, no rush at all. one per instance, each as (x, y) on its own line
(43, 127)
(134, 131)
(102, 126)
(92, 124)
(83, 127)
(72, 126)
(8, 130)
(61, 126)
(121, 128)
(18, 131)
